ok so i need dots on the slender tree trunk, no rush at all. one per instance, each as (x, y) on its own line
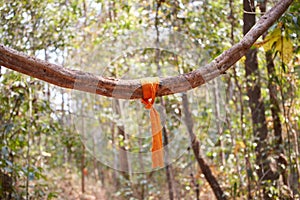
(169, 170)
(218, 118)
(83, 125)
(281, 160)
(82, 153)
(239, 100)
(195, 185)
(141, 147)
(63, 114)
(124, 166)
(28, 157)
(275, 110)
(115, 142)
(96, 172)
(123, 153)
(6, 181)
(168, 167)
(242, 116)
(121, 144)
(211, 179)
(169, 174)
(257, 108)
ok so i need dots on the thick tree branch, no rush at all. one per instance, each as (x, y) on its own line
(131, 89)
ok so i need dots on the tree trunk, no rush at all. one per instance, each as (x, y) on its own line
(124, 165)
(6, 185)
(82, 154)
(211, 179)
(169, 174)
(169, 170)
(216, 95)
(256, 104)
(275, 110)
(115, 142)
(168, 167)
(122, 151)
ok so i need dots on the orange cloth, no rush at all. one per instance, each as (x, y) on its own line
(149, 87)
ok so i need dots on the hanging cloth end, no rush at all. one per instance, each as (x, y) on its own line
(149, 87)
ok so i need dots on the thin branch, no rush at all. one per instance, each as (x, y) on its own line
(131, 89)
(253, 13)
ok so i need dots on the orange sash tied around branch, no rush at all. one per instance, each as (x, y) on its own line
(149, 87)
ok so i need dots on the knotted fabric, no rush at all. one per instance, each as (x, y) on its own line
(149, 87)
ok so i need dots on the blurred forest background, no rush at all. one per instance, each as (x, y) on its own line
(246, 122)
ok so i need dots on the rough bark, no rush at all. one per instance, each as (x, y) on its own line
(6, 186)
(260, 130)
(275, 109)
(131, 89)
(211, 179)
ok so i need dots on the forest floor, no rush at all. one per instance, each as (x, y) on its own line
(67, 186)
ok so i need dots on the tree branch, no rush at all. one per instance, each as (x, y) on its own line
(131, 89)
